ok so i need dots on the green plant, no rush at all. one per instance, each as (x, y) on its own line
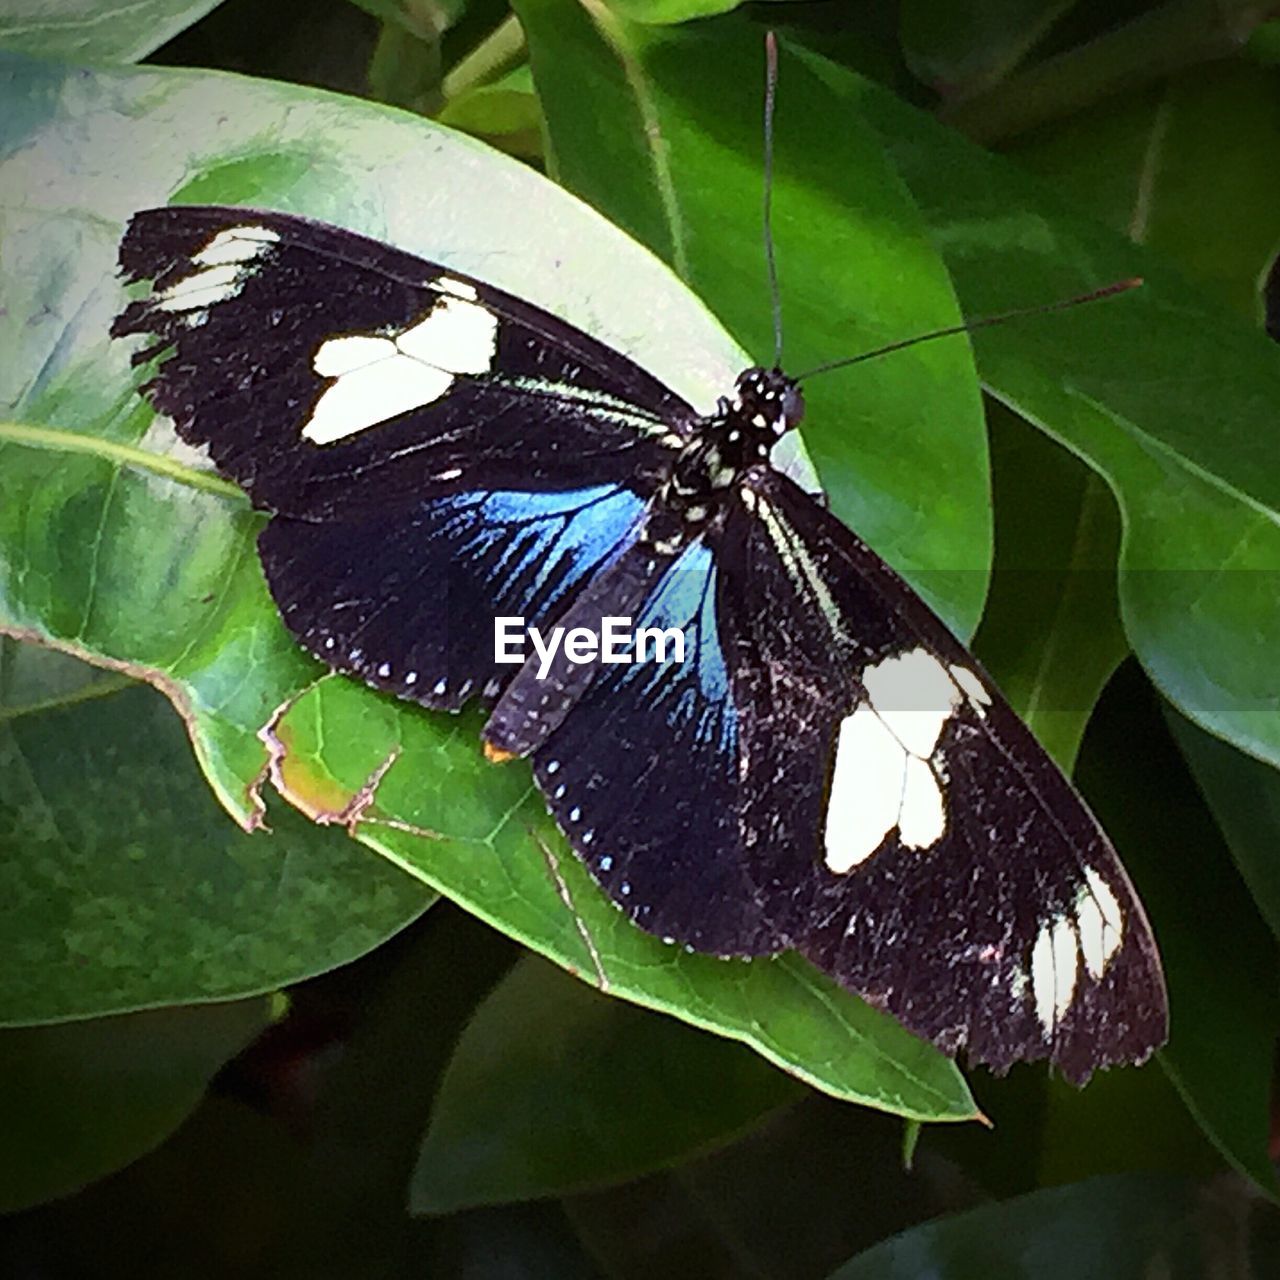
(1136, 434)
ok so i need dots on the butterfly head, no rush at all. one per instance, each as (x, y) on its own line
(769, 401)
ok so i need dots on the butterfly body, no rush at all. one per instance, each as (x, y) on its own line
(826, 769)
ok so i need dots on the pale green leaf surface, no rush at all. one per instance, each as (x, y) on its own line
(96, 30)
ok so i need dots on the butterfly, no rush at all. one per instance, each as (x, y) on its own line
(827, 769)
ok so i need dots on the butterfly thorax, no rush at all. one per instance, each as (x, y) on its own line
(739, 434)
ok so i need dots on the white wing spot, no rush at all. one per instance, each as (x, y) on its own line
(913, 694)
(973, 688)
(866, 790)
(459, 288)
(380, 376)
(1100, 921)
(922, 821)
(1055, 961)
(225, 263)
(204, 289)
(236, 244)
(884, 775)
(340, 356)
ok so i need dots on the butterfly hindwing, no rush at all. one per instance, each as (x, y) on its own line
(407, 598)
(642, 775)
(903, 828)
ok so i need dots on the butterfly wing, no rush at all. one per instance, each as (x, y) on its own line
(642, 774)
(434, 451)
(902, 827)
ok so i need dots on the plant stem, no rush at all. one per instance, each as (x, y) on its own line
(498, 53)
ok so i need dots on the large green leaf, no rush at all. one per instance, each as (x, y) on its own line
(123, 885)
(82, 1099)
(1154, 166)
(1151, 165)
(553, 1089)
(114, 544)
(1165, 393)
(96, 30)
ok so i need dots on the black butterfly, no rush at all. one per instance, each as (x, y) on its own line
(828, 769)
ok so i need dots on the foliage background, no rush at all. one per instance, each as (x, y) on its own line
(230, 1053)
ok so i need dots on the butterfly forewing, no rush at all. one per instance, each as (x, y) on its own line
(330, 374)
(435, 452)
(902, 827)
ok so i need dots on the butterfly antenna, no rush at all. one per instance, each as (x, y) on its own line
(771, 262)
(983, 322)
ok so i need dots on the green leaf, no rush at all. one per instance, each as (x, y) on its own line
(1244, 796)
(189, 610)
(482, 835)
(80, 1100)
(658, 12)
(548, 1068)
(1052, 634)
(505, 113)
(959, 48)
(661, 129)
(123, 885)
(1126, 1227)
(1153, 165)
(1163, 392)
(113, 545)
(96, 30)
